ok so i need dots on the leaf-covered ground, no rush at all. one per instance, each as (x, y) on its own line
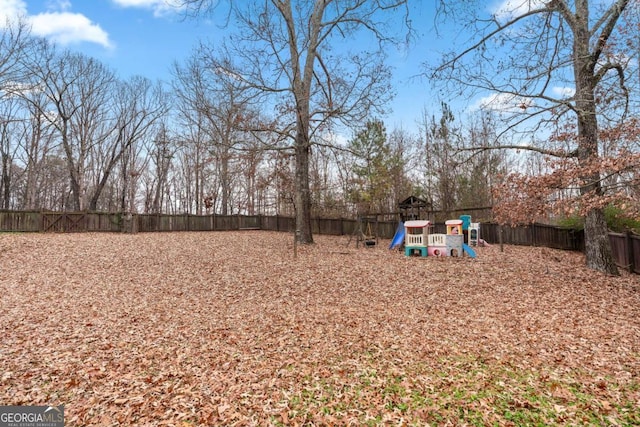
(230, 329)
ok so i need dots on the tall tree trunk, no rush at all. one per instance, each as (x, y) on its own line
(596, 234)
(97, 192)
(225, 182)
(125, 184)
(75, 169)
(75, 191)
(6, 181)
(33, 154)
(597, 245)
(302, 189)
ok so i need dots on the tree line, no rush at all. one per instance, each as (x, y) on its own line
(75, 136)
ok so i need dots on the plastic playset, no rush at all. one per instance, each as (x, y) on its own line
(418, 240)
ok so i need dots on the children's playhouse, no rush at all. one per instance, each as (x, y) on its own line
(418, 240)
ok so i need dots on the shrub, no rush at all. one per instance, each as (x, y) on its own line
(616, 221)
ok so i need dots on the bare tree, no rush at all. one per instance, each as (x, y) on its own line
(15, 45)
(218, 104)
(195, 148)
(326, 188)
(544, 61)
(162, 156)
(442, 137)
(78, 91)
(96, 117)
(404, 148)
(248, 163)
(285, 50)
(138, 105)
(10, 133)
(479, 172)
(36, 147)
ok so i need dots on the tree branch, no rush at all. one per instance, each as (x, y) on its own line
(532, 148)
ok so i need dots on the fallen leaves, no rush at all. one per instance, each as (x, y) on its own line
(230, 328)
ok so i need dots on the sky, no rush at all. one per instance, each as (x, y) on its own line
(145, 37)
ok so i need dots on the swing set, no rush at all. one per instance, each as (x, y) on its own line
(364, 232)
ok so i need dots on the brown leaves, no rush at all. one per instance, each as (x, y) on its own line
(568, 187)
(230, 329)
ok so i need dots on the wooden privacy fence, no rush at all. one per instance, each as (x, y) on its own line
(626, 250)
(534, 235)
(59, 222)
(69, 222)
(626, 247)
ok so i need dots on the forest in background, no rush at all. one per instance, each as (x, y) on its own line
(75, 136)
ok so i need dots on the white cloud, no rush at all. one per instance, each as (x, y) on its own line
(58, 5)
(511, 103)
(12, 89)
(563, 92)
(68, 28)
(159, 7)
(509, 9)
(58, 24)
(11, 9)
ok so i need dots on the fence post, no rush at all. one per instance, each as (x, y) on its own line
(533, 234)
(630, 255)
(125, 222)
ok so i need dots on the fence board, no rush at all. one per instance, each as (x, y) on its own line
(23, 221)
(67, 222)
(626, 251)
(635, 253)
(250, 222)
(330, 226)
(102, 222)
(618, 246)
(534, 235)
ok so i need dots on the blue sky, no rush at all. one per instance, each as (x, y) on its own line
(132, 36)
(145, 37)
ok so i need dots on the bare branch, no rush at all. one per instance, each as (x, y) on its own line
(532, 148)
